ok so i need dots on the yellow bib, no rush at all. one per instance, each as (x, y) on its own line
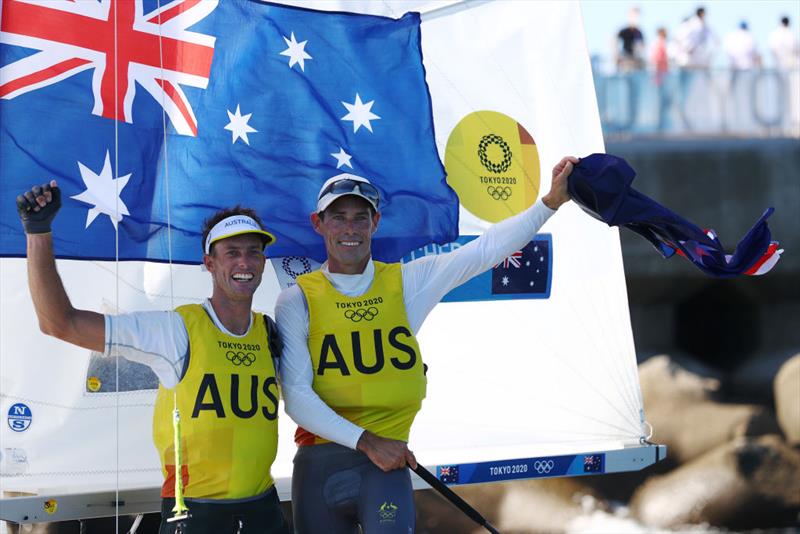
(228, 401)
(366, 361)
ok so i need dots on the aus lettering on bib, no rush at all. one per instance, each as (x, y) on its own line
(403, 356)
(260, 397)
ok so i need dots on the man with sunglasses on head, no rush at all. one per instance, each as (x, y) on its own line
(215, 361)
(351, 370)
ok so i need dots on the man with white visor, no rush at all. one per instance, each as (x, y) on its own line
(216, 362)
(351, 370)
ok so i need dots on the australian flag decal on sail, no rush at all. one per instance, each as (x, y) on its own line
(448, 474)
(525, 272)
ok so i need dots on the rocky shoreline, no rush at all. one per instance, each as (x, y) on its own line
(732, 464)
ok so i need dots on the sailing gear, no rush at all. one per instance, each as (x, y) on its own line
(347, 184)
(426, 281)
(236, 225)
(367, 364)
(255, 515)
(228, 400)
(38, 221)
(334, 488)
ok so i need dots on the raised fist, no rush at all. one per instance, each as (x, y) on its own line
(38, 206)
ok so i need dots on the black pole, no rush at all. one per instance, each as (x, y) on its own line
(451, 496)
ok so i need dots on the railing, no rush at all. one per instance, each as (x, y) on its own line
(699, 102)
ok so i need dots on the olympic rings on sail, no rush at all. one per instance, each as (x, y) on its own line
(359, 314)
(499, 193)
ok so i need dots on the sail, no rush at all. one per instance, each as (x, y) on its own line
(532, 359)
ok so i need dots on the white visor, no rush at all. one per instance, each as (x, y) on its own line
(233, 226)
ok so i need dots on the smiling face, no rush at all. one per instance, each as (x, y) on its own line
(236, 265)
(347, 226)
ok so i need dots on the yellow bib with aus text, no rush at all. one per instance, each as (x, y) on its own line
(228, 402)
(366, 361)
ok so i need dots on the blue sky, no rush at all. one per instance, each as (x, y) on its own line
(604, 18)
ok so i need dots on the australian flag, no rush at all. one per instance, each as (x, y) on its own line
(601, 185)
(593, 463)
(448, 474)
(153, 115)
(526, 271)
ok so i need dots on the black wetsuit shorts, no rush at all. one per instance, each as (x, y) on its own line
(335, 489)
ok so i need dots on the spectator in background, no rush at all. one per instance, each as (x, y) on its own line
(659, 56)
(785, 49)
(630, 56)
(785, 46)
(659, 59)
(696, 42)
(740, 45)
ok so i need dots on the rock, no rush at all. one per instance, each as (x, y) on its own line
(747, 483)
(786, 389)
(670, 388)
(520, 506)
(670, 377)
(544, 505)
(436, 515)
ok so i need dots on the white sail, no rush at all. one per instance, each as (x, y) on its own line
(546, 374)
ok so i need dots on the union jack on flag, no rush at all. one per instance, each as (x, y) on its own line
(513, 260)
(124, 45)
(153, 114)
(448, 474)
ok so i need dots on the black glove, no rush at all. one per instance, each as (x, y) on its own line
(38, 222)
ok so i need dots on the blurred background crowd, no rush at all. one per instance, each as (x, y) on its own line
(673, 68)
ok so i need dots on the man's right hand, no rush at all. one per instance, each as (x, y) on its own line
(386, 453)
(38, 206)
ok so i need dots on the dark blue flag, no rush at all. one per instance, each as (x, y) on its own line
(601, 185)
(262, 103)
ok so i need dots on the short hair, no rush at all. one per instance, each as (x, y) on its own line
(212, 221)
(701, 11)
(785, 21)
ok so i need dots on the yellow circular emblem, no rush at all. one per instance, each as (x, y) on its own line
(93, 383)
(493, 164)
(50, 506)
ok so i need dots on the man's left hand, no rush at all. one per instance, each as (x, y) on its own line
(558, 188)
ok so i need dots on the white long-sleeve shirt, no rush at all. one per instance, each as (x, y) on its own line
(157, 339)
(425, 282)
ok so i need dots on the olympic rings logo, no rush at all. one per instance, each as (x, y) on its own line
(240, 358)
(493, 139)
(361, 314)
(543, 466)
(290, 266)
(499, 193)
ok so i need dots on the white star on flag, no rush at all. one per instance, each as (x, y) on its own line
(296, 52)
(342, 158)
(504, 280)
(238, 126)
(102, 191)
(360, 114)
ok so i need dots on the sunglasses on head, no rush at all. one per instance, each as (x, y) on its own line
(347, 185)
